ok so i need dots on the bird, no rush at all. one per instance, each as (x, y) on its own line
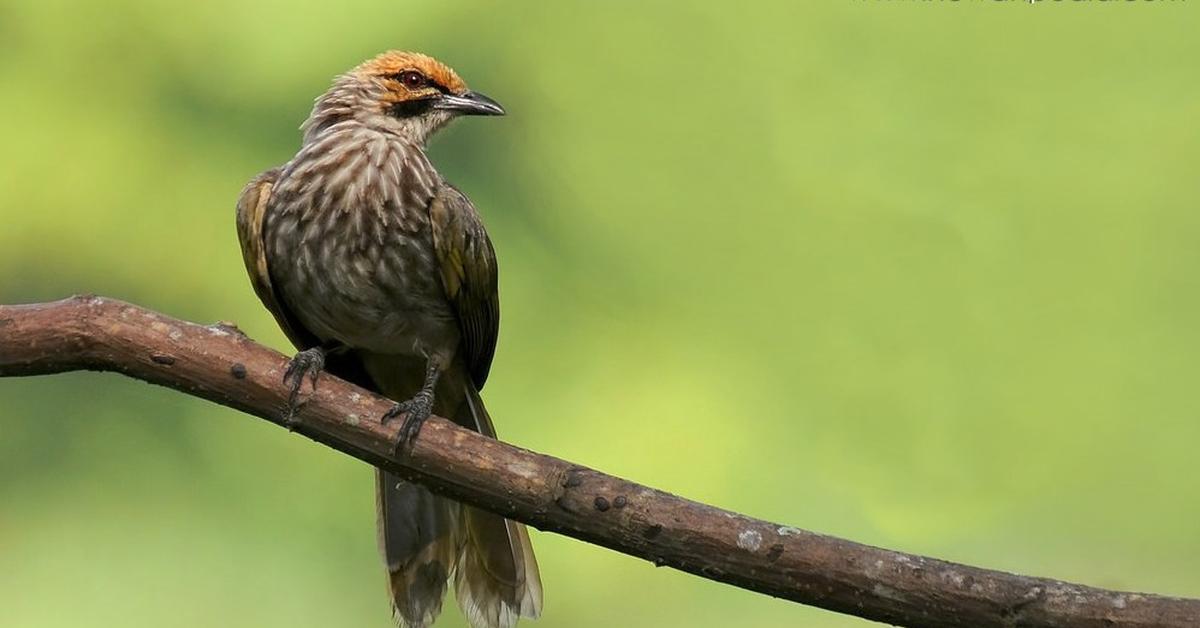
(381, 272)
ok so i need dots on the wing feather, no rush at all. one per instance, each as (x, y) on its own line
(468, 268)
(251, 211)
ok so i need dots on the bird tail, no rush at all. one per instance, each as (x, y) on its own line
(496, 579)
(418, 538)
(426, 539)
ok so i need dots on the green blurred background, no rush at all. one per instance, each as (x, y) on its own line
(923, 275)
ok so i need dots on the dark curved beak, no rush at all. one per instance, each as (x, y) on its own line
(469, 104)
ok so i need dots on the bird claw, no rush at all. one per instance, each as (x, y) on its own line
(416, 411)
(308, 362)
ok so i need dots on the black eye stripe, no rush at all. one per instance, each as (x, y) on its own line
(413, 79)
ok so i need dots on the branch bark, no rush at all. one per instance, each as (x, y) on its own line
(219, 363)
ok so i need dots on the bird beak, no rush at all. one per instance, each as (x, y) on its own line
(469, 104)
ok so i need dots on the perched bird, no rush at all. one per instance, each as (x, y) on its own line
(381, 273)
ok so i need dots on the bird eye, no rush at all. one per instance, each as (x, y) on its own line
(411, 79)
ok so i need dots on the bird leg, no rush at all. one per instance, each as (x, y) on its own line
(309, 362)
(416, 410)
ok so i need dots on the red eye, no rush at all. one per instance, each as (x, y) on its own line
(412, 79)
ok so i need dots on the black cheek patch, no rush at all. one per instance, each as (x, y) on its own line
(410, 108)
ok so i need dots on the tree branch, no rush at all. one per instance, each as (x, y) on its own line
(219, 363)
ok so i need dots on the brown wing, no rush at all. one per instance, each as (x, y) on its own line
(468, 266)
(251, 209)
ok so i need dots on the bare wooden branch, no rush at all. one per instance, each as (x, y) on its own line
(219, 363)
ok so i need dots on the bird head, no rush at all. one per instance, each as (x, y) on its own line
(406, 93)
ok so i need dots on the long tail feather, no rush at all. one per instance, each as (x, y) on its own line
(497, 579)
(426, 539)
(419, 541)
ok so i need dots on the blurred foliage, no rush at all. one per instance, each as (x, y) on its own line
(923, 275)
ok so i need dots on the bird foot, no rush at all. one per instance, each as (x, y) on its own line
(309, 362)
(416, 411)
